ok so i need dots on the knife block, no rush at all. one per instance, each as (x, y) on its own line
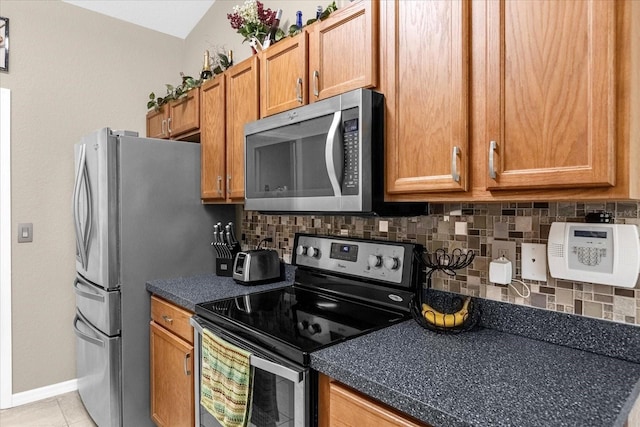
(224, 265)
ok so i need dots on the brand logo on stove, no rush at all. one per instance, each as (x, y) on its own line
(340, 265)
(394, 297)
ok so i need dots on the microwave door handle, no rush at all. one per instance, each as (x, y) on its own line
(334, 154)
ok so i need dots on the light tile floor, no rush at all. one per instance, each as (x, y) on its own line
(65, 410)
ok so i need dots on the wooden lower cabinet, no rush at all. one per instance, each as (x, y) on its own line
(171, 362)
(340, 405)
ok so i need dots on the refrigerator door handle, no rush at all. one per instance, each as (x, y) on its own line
(82, 235)
(90, 295)
(82, 335)
(76, 206)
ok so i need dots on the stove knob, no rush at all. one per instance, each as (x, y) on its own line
(375, 261)
(302, 326)
(314, 328)
(313, 252)
(391, 263)
(301, 250)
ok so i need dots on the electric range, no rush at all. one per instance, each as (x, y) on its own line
(343, 288)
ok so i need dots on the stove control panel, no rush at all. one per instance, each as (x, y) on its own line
(366, 259)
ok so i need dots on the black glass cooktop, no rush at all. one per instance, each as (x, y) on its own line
(295, 321)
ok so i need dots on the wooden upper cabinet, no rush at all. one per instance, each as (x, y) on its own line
(551, 94)
(176, 119)
(343, 50)
(425, 69)
(184, 114)
(157, 123)
(213, 139)
(283, 75)
(243, 106)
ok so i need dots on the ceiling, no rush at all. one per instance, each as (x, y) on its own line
(176, 18)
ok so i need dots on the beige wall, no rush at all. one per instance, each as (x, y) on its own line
(71, 71)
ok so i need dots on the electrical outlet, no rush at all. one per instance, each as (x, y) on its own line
(271, 232)
(507, 249)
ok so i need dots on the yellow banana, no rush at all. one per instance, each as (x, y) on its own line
(446, 320)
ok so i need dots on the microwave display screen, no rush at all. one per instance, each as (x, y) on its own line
(344, 252)
(351, 125)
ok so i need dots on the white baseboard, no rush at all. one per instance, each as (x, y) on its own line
(36, 394)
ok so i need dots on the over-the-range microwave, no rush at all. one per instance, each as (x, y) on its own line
(326, 157)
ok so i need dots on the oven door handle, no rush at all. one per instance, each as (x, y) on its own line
(260, 363)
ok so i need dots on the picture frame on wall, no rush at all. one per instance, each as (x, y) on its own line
(4, 44)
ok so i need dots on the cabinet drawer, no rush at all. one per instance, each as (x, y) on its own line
(171, 317)
(349, 408)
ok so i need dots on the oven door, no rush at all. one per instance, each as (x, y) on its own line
(290, 405)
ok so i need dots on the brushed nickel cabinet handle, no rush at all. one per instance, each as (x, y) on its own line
(187, 372)
(299, 90)
(167, 319)
(169, 124)
(163, 127)
(454, 164)
(493, 146)
(219, 185)
(316, 77)
(228, 185)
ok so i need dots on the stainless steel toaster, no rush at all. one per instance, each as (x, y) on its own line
(257, 266)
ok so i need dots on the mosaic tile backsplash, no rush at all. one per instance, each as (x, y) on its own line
(473, 226)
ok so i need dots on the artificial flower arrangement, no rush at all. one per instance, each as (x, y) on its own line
(251, 19)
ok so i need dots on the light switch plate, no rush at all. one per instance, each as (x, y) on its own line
(534, 261)
(25, 232)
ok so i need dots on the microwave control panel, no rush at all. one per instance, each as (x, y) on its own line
(351, 141)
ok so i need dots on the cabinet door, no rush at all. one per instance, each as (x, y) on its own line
(213, 139)
(343, 51)
(551, 94)
(347, 407)
(242, 107)
(184, 114)
(157, 123)
(172, 393)
(283, 75)
(425, 68)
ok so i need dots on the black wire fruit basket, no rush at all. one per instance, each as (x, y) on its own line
(442, 311)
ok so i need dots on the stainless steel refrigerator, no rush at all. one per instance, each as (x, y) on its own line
(137, 217)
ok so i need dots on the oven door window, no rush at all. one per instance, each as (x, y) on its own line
(290, 161)
(272, 402)
(280, 393)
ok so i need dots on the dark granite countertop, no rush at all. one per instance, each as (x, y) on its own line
(484, 378)
(526, 367)
(189, 291)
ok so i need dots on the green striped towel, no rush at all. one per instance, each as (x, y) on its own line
(225, 381)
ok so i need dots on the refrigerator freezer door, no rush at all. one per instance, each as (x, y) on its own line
(95, 208)
(100, 307)
(98, 370)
